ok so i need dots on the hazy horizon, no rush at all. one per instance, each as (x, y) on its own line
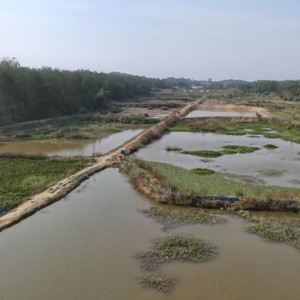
(195, 39)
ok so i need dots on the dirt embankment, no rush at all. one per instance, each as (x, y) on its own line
(68, 184)
(219, 106)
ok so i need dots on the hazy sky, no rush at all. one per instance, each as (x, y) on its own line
(221, 39)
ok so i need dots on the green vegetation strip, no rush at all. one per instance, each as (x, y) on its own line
(228, 149)
(276, 232)
(201, 171)
(179, 215)
(204, 153)
(221, 184)
(270, 146)
(280, 130)
(176, 248)
(23, 177)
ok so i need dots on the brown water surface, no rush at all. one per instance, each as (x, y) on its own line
(83, 247)
(66, 147)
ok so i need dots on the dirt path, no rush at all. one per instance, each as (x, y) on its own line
(68, 184)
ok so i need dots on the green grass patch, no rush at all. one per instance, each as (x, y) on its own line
(203, 171)
(234, 149)
(270, 146)
(276, 232)
(176, 248)
(227, 150)
(221, 184)
(281, 130)
(23, 177)
(204, 153)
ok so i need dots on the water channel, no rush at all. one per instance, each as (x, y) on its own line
(83, 247)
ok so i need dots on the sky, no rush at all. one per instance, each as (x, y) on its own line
(198, 39)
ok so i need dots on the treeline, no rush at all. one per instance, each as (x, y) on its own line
(287, 90)
(29, 94)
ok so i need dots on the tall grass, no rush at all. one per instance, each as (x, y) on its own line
(23, 176)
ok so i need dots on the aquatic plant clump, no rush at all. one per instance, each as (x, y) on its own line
(201, 171)
(163, 284)
(234, 149)
(179, 216)
(176, 248)
(270, 146)
(204, 153)
(173, 148)
(276, 232)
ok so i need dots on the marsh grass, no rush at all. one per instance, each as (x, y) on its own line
(276, 232)
(179, 215)
(173, 148)
(176, 248)
(203, 153)
(270, 146)
(158, 282)
(234, 149)
(226, 150)
(24, 176)
(202, 171)
(284, 130)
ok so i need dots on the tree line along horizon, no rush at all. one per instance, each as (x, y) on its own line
(28, 94)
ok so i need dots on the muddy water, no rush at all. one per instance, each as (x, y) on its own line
(285, 160)
(208, 113)
(70, 147)
(83, 246)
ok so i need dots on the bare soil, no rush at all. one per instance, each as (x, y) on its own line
(215, 105)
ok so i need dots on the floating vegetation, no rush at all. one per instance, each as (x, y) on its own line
(272, 173)
(276, 232)
(201, 171)
(270, 146)
(176, 248)
(161, 283)
(173, 148)
(234, 149)
(228, 149)
(178, 215)
(204, 153)
(295, 181)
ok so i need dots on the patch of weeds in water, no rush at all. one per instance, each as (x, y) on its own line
(201, 171)
(228, 149)
(234, 149)
(173, 148)
(270, 146)
(254, 136)
(204, 153)
(276, 232)
(295, 181)
(179, 216)
(176, 248)
(158, 282)
(272, 173)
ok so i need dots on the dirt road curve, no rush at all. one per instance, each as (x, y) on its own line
(68, 184)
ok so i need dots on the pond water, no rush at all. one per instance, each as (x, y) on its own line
(279, 166)
(210, 113)
(66, 147)
(83, 247)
